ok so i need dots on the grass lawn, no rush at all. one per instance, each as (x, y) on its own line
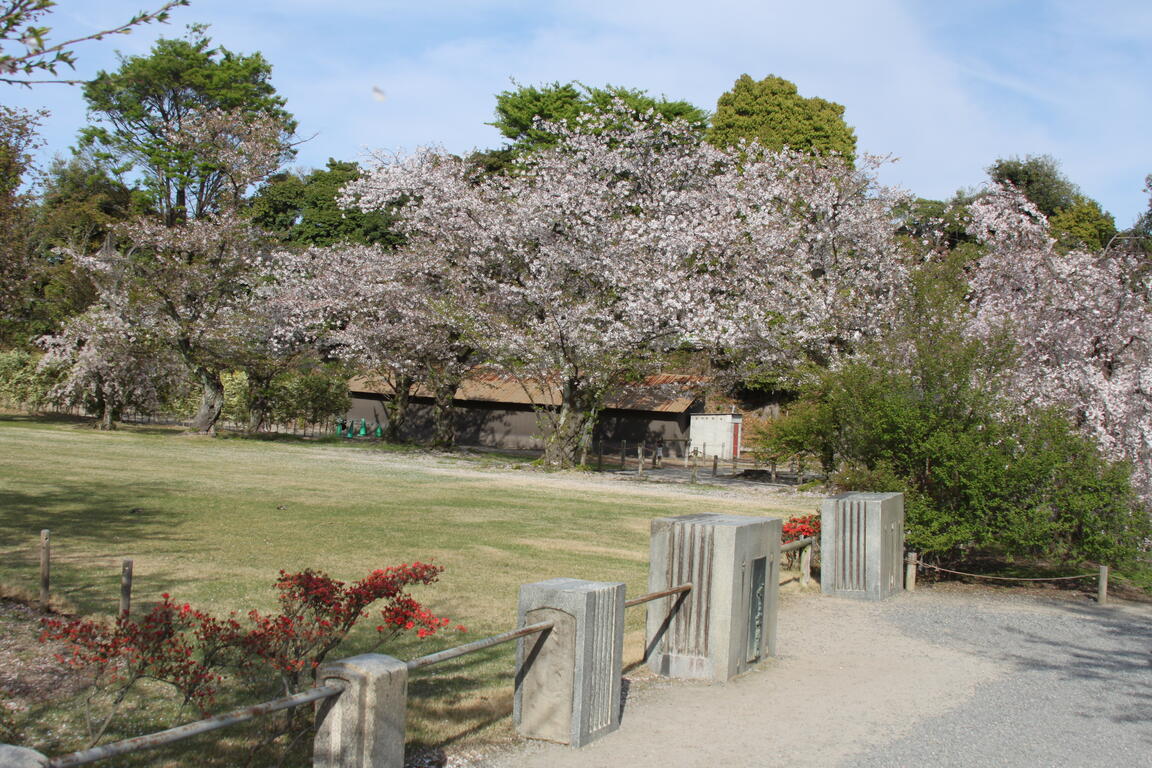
(211, 521)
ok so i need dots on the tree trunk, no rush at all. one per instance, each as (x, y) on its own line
(259, 398)
(211, 402)
(444, 427)
(396, 408)
(569, 429)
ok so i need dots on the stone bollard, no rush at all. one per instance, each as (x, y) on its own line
(568, 677)
(862, 545)
(21, 757)
(363, 727)
(727, 621)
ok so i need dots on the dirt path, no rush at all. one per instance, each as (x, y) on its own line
(845, 677)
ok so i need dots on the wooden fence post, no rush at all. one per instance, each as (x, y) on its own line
(126, 588)
(623, 450)
(1102, 585)
(45, 567)
(910, 573)
(640, 459)
(694, 468)
(715, 464)
(806, 565)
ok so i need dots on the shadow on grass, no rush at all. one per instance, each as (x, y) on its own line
(90, 512)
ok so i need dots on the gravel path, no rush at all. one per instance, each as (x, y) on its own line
(935, 678)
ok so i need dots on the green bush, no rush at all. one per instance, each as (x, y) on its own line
(923, 414)
(23, 384)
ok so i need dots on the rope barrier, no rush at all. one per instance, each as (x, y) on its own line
(1006, 578)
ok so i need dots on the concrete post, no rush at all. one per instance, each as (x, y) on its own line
(21, 757)
(727, 622)
(862, 545)
(568, 677)
(363, 727)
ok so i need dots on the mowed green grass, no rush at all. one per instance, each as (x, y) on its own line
(212, 521)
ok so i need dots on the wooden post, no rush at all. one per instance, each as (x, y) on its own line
(1102, 585)
(126, 588)
(694, 468)
(640, 459)
(715, 465)
(733, 464)
(773, 470)
(806, 565)
(910, 573)
(623, 448)
(45, 566)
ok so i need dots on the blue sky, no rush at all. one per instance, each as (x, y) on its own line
(944, 87)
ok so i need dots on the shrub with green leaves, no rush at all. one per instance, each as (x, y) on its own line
(23, 384)
(922, 414)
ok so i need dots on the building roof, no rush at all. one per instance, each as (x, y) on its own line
(662, 393)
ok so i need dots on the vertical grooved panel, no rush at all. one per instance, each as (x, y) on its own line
(692, 563)
(603, 655)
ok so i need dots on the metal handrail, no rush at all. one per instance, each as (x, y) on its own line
(188, 730)
(479, 645)
(657, 595)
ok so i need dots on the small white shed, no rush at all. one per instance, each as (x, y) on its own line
(716, 434)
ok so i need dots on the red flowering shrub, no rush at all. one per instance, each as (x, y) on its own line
(172, 644)
(801, 527)
(317, 612)
(191, 650)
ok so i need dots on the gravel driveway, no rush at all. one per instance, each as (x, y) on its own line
(934, 678)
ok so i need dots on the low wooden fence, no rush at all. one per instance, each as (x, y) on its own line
(361, 700)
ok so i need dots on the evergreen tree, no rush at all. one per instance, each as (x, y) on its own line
(773, 112)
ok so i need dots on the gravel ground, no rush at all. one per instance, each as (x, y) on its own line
(936, 678)
(1077, 692)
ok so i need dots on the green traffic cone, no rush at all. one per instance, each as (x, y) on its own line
(363, 428)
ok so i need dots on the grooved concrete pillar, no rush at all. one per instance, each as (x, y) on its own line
(727, 622)
(862, 545)
(364, 726)
(568, 678)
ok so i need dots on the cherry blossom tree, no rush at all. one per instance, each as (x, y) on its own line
(630, 238)
(389, 312)
(113, 360)
(197, 280)
(1082, 322)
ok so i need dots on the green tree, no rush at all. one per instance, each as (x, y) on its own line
(17, 269)
(1083, 224)
(304, 209)
(773, 112)
(1040, 180)
(1077, 221)
(519, 111)
(141, 109)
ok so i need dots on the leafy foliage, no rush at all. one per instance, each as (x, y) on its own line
(924, 414)
(186, 116)
(304, 209)
(197, 654)
(773, 112)
(1076, 221)
(528, 114)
